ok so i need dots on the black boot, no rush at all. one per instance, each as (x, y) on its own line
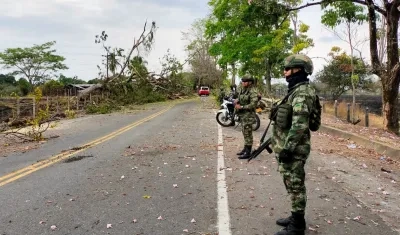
(284, 221)
(247, 152)
(296, 226)
(241, 152)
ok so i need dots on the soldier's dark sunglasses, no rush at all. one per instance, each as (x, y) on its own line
(287, 68)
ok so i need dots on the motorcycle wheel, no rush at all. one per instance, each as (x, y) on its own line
(222, 120)
(256, 123)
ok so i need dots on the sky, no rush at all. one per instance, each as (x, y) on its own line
(73, 24)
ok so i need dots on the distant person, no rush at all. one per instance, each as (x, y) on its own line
(245, 107)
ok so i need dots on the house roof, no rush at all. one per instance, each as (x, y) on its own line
(79, 86)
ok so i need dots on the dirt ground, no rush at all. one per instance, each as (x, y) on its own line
(371, 133)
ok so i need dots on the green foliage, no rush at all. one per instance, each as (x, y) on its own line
(8, 90)
(102, 108)
(70, 114)
(34, 63)
(24, 86)
(302, 41)
(137, 66)
(52, 87)
(94, 81)
(7, 79)
(340, 12)
(256, 36)
(337, 74)
(39, 124)
(68, 80)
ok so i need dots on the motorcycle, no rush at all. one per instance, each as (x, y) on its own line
(226, 116)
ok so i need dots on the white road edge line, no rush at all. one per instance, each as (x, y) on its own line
(224, 227)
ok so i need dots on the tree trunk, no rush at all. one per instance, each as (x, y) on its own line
(353, 85)
(268, 78)
(88, 90)
(390, 110)
(373, 46)
(390, 82)
(233, 81)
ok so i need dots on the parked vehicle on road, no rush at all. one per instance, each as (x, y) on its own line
(204, 90)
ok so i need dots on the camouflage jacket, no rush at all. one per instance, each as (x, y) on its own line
(296, 139)
(247, 98)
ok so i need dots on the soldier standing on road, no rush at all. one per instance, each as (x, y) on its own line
(291, 139)
(221, 95)
(245, 107)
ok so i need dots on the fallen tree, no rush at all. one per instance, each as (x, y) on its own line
(145, 39)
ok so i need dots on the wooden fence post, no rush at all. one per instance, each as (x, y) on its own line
(366, 117)
(18, 108)
(77, 103)
(348, 112)
(33, 108)
(336, 108)
(68, 99)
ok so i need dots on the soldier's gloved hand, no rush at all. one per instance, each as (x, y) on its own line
(285, 156)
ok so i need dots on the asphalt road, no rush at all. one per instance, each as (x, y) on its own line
(176, 173)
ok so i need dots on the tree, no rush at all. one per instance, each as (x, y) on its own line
(94, 81)
(137, 66)
(146, 40)
(302, 41)
(34, 63)
(389, 72)
(70, 80)
(24, 86)
(7, 79)
(203, 65)
(337, 74)
(350, 15)
(244, 35)
(52, 87)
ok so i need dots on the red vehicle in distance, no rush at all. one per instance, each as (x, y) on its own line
(204, 90)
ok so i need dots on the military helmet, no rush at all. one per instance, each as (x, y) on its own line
(299, 61)
(247, 78)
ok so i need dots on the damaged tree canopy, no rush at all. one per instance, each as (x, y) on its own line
(146, 40)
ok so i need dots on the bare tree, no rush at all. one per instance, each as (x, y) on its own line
(203, 65)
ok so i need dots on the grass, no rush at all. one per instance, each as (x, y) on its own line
(374, 120)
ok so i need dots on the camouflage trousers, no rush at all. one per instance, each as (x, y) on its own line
(293, 177)
(247, 127)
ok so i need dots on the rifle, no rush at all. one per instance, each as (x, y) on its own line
(265, 145)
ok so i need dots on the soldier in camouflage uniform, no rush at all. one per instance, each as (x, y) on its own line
(221, 95)
(246, 109)
(291, 139)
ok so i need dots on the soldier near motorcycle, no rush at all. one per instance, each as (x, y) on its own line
(221, 95)
(245, 107)
(291, 139)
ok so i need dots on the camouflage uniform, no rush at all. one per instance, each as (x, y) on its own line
(291, 139)
(297, 141)
(248, 100)
(221, 95)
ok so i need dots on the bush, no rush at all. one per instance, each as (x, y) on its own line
(70, 114)
(103, 108)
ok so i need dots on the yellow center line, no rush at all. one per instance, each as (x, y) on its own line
(64, 155)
